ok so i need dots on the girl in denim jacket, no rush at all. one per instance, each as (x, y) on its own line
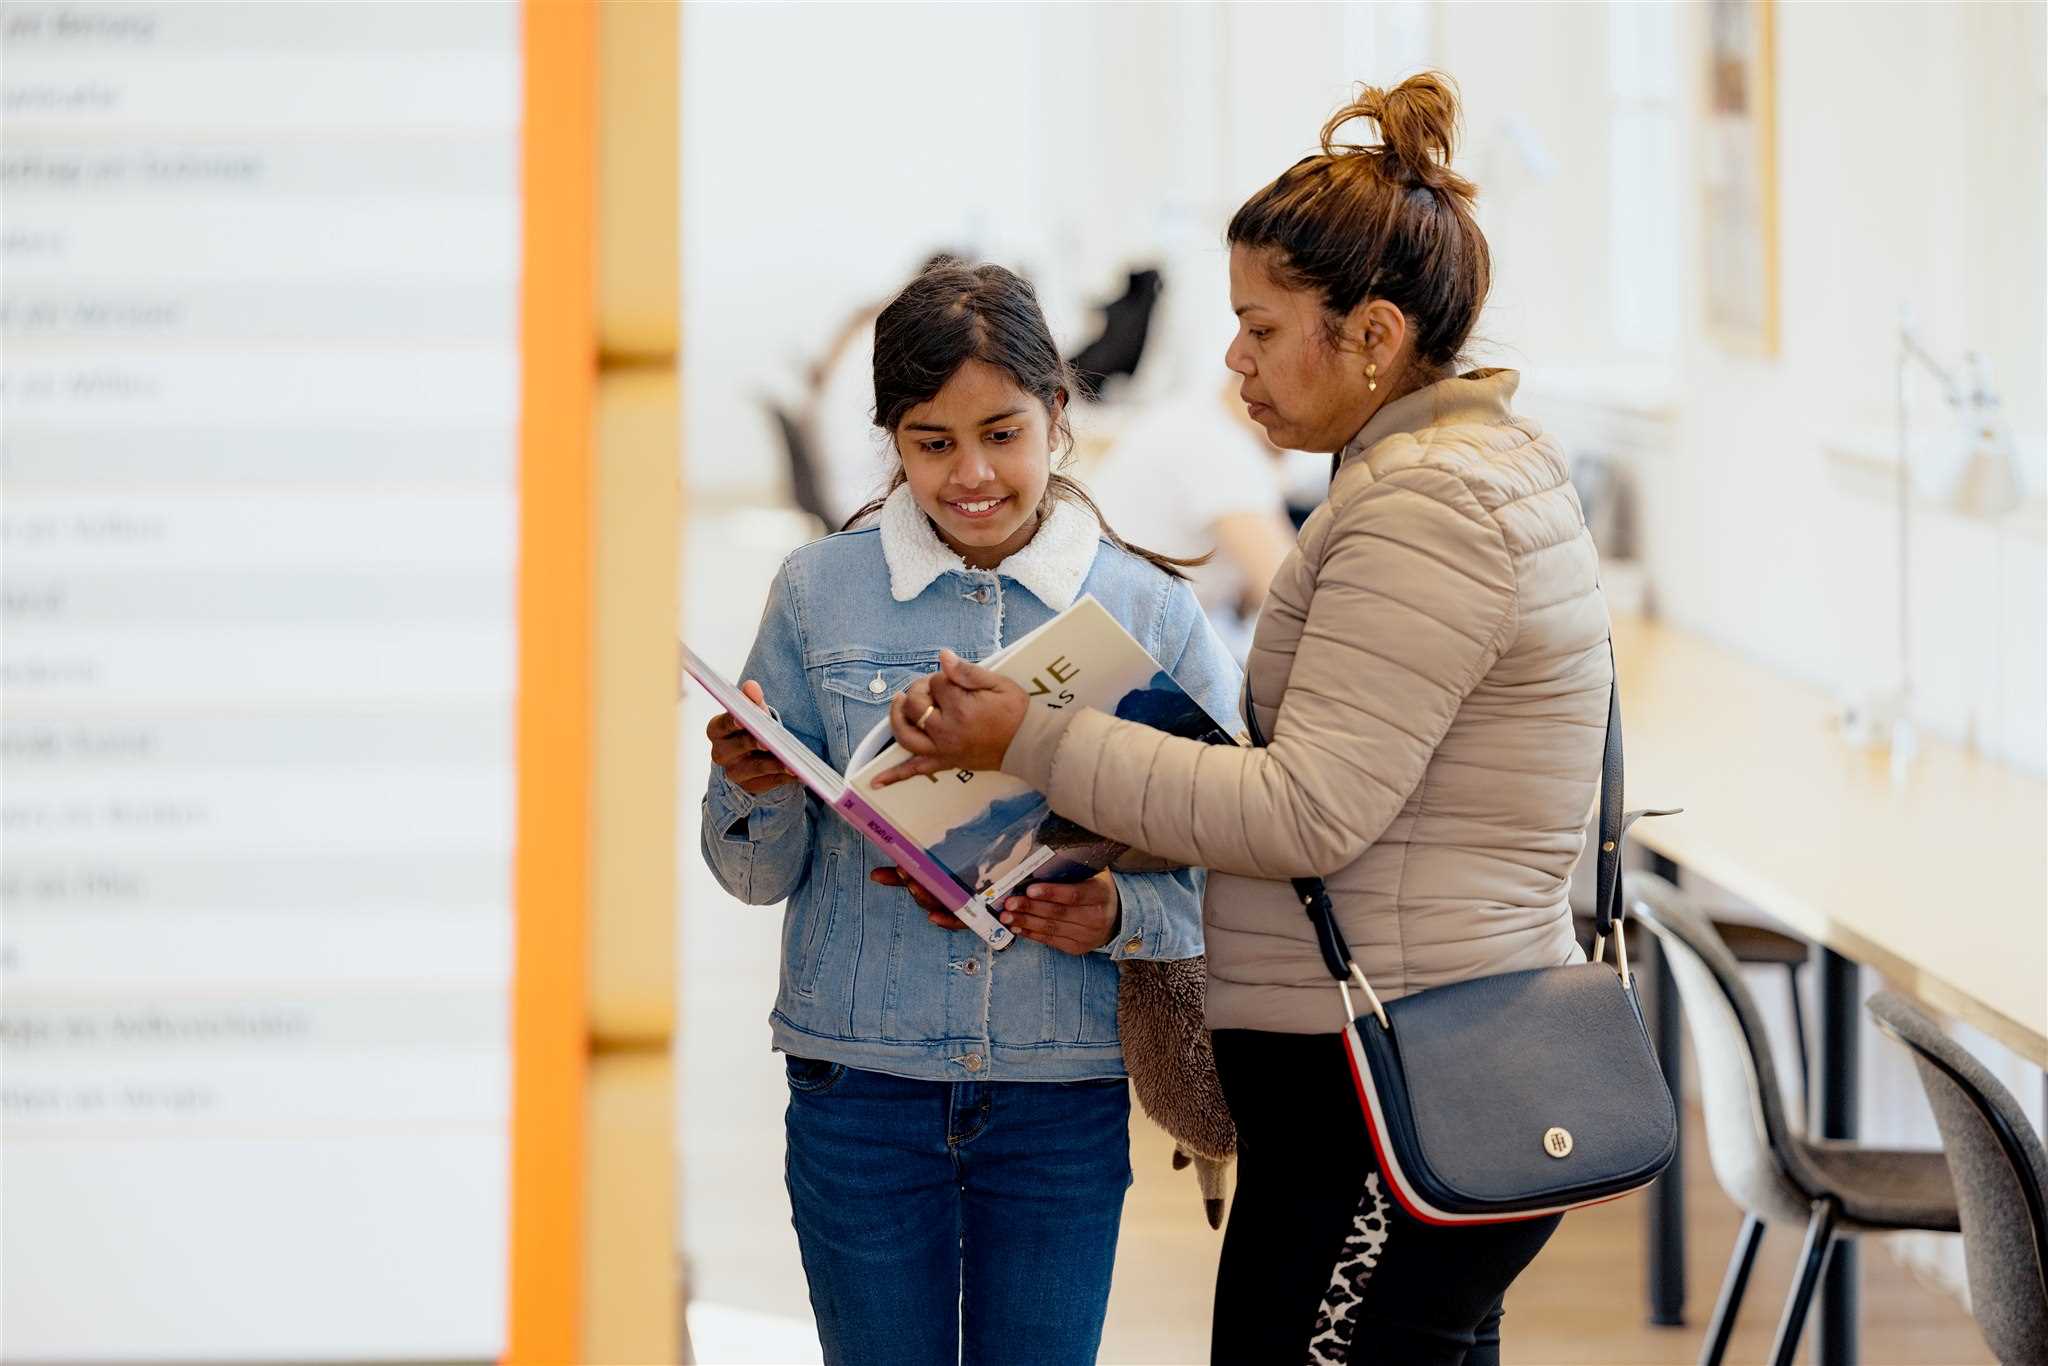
(958, 1118)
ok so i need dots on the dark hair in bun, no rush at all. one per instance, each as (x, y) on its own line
(1388, 220)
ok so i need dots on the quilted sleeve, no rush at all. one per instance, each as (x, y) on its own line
(1414, 602)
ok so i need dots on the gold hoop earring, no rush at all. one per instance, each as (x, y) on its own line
(1372, 378)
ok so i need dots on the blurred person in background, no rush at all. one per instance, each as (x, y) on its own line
(958, 1122)
(1193, 475)
(1433, 670)
(1117, 349)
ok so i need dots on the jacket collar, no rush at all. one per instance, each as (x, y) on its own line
(1482, 398)
(1053, 564)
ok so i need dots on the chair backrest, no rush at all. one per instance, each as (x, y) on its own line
(805, 487)
(2001, 1177)
(1126, 322)
(1750, 1138)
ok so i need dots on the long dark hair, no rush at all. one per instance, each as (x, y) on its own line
(1390, 221)
(952, 313)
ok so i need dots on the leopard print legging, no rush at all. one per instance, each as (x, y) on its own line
(1320, 1263)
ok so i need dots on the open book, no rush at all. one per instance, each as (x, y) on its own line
(971, 839)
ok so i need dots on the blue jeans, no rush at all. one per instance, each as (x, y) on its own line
(944, 1222)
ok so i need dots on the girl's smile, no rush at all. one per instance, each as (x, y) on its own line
(978, 456)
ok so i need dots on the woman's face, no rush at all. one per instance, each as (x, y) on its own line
(1307, 394)
(977, 456)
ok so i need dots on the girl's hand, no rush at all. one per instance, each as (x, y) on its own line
(962, 717)
(747, 766)
(1073, 917)
(926, 902)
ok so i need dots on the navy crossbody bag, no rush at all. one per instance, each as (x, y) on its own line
(1518, 1095)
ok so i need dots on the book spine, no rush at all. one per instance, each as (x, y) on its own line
(912, 859)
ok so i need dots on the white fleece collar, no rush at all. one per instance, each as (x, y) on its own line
(1053, 564)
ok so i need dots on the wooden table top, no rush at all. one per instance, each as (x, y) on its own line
(1938, 881)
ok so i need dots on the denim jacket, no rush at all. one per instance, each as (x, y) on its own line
(867, 981)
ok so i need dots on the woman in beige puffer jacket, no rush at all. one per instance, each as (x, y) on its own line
(1432, 668)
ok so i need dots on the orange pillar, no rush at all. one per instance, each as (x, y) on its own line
(594, 1266)
(632, 1292)
(551, 876)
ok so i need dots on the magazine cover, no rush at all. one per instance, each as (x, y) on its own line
(970, 839)
(992, 832)
(831, 789)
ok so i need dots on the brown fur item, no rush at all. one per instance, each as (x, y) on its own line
(1173, 1069)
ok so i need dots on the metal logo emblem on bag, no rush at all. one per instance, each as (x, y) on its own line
(1557, 1142)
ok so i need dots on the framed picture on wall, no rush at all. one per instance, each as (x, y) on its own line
(1740, 194)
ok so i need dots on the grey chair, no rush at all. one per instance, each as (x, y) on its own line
(1753, 946)
(1761, 1158)
(2001, 1178)
(806, 485)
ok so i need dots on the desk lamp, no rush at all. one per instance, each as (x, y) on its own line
(1985, 485)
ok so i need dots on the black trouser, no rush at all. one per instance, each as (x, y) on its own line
(1319, 1263)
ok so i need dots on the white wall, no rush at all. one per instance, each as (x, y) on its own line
(1910, 173)
(1540, 69)
(828, 148)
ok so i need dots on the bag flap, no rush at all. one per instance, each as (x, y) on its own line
(1494, 1064)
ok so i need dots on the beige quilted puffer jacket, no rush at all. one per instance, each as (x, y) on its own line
(1432, 671)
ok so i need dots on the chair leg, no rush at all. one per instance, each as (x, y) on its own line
(1739, 1262)
(1805, 1055)
(1820, 1240)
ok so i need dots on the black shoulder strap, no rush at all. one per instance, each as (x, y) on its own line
(1608, 905)
(1614, 824)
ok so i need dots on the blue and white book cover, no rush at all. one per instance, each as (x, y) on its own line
(993, 832)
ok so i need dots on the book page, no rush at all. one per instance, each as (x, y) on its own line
(881, 737)
(989, 829)
(871, 744)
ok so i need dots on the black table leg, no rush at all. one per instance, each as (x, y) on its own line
(1667, 1196)
(1841, 1006)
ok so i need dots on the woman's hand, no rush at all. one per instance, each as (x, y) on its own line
(747, 766)
(1073, 917)
(962, 717)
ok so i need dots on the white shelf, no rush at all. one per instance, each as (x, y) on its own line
(1865, 463)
